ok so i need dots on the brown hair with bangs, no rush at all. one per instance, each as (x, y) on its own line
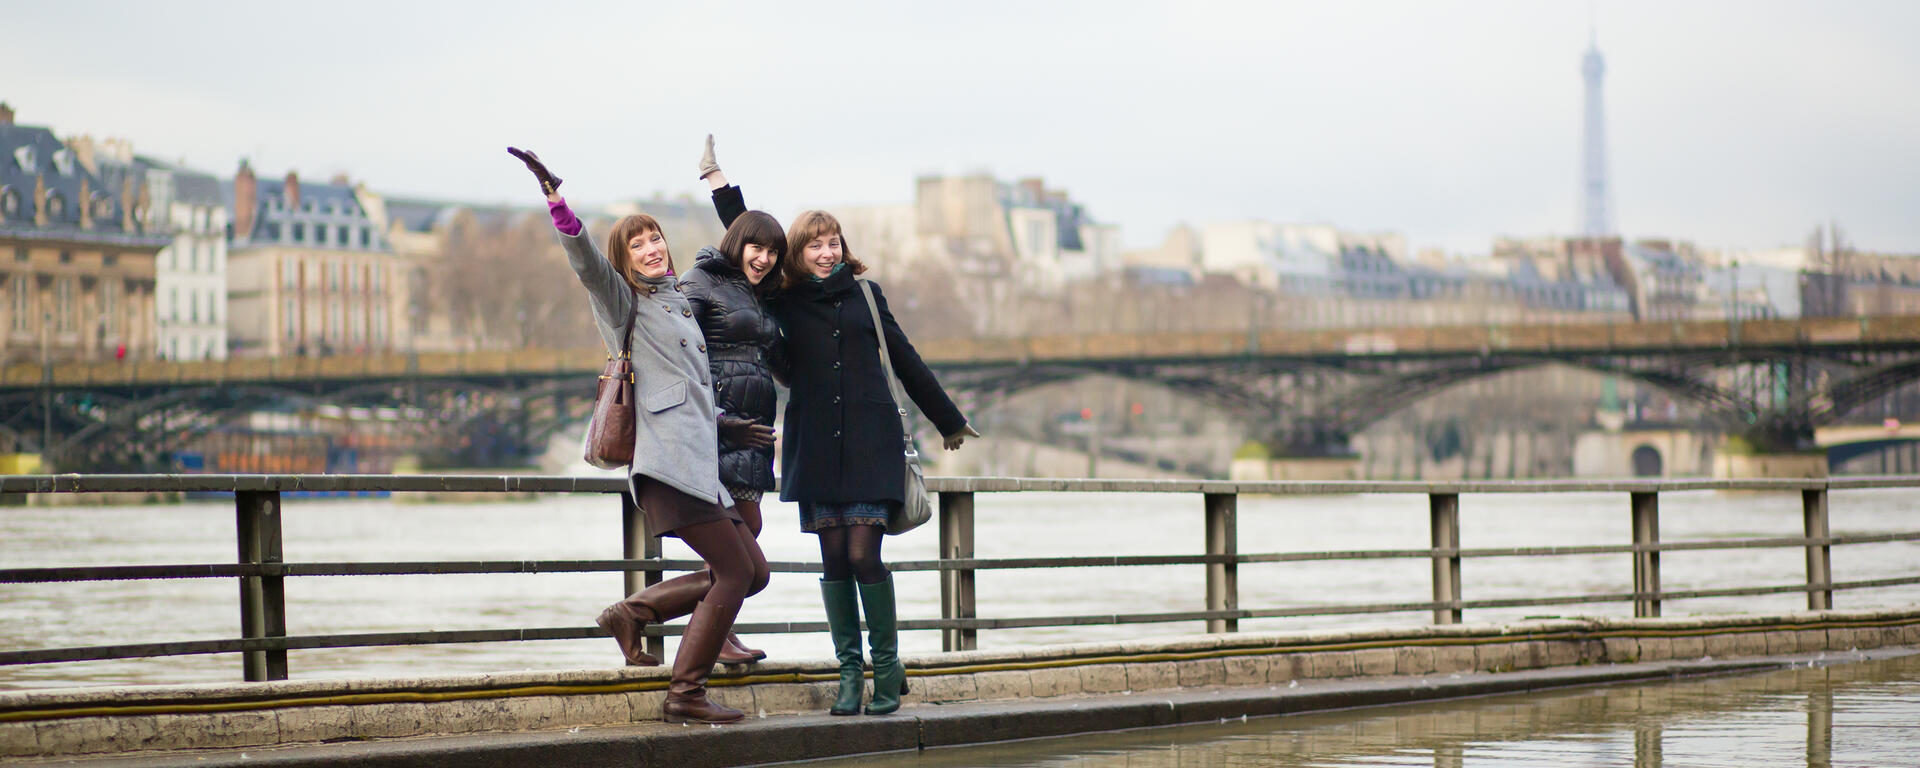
(623, 232)
(761, 229)
(806, 227)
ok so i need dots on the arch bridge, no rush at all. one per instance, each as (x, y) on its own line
(1305, 392)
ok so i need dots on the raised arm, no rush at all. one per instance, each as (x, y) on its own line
(727, 200)
(611, 297)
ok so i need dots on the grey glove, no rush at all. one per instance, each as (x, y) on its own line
(954, 440)
(708, 166)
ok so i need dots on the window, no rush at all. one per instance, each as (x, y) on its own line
(21, 297)
(20, 254)
(289, 272)
(194, 298)
(340, 235)
(320, 234)
(173, 304)
(287, 319)
(299, 232)
(66, 257)
(193, 257)
(366, 237)
(110, 304)
(63, 304)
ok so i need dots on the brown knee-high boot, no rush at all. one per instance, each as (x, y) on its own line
(627, 620)
(699, 646)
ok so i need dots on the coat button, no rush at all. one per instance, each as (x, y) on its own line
(703, 347)
(836, 302)
(683, 342)
(836, 365)
(836, 433)
(836, 399)
(836, 333)
(687, 312)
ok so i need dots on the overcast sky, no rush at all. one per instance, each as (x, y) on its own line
(1739, 123)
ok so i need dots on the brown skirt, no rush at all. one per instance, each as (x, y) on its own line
(667, 508)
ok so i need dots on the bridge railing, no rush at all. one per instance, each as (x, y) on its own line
(261, 570)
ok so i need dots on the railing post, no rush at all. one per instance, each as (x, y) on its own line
(1444, 513)
(263, 599)
(956, 586)
(1223, 579)
(637, 543)
(1813, 508)
(1646, 563)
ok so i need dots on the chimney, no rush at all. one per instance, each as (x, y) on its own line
(6, 114)
(340, 180)
(293, 190)
(246, 200)
(82, 147)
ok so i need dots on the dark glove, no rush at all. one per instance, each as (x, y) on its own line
(549, 183)
(745, 432)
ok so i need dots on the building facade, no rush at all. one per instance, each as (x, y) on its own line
(77, 265)
(192, 279)
(310, 271)
(190, 282)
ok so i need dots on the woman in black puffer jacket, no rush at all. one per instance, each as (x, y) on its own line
(725, 288)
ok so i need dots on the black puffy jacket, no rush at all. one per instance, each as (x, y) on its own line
(742, 339)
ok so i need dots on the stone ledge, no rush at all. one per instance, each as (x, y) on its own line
(815, 736)
(107, 720)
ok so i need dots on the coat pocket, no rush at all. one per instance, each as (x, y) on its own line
(665, 397)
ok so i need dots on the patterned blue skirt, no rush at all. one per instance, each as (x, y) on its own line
(815, 515)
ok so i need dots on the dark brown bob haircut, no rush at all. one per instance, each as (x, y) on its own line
(808, 226)
(761, 229)
(623, 232)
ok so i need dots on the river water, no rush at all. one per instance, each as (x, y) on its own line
(1864, 713)
(1008, 525)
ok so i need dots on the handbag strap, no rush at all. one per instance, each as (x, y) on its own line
(886, 361)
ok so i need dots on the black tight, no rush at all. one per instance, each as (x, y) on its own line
(852, 551)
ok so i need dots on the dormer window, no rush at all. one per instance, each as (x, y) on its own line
(56, 205)
(63, 161)
(9, 202)
(23, 157)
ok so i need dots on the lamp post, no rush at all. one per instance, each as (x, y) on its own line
(46, 394)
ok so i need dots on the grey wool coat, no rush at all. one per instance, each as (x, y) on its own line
(677, 439)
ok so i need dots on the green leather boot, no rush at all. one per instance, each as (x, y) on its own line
(843, 622)
(883, 639)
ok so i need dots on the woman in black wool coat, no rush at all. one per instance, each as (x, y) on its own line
(843, 458)
(726, 288)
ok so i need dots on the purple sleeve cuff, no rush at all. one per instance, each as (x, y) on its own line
(563, 218)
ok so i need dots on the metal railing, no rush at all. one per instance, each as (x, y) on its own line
(262, 572)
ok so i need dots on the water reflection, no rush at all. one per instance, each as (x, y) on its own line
(1864, 713)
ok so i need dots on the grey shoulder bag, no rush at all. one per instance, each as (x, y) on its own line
(915, 508)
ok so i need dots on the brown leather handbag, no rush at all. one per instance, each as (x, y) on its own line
(610, 433)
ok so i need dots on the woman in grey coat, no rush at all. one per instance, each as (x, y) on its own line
(675, 473)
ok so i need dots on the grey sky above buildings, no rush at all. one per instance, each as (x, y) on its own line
(1737, 123)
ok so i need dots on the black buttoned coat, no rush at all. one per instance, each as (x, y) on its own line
(842, 440)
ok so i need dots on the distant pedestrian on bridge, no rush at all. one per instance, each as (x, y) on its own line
(675, 472)
(841, 457)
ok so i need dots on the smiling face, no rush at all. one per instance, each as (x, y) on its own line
(815, 245)
(821, 254)
(647, 251)
(757, 261)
